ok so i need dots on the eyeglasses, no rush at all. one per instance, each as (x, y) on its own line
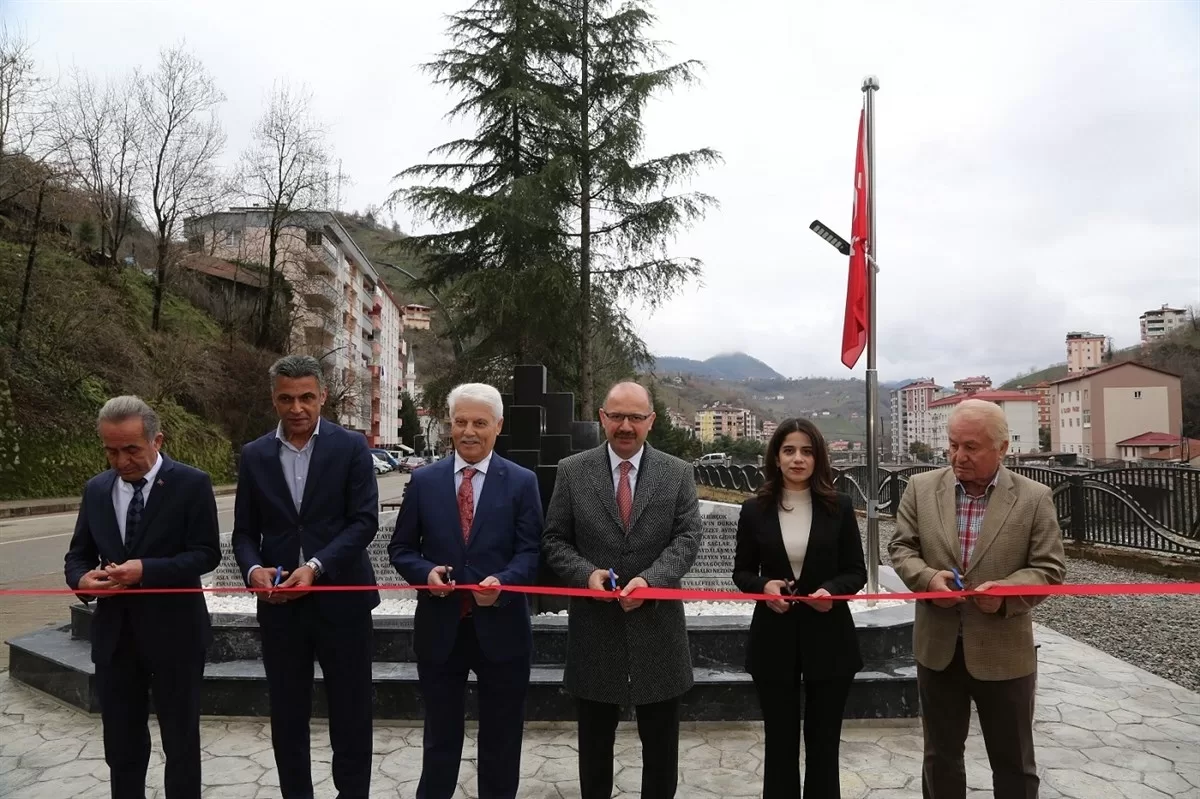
(636, 418)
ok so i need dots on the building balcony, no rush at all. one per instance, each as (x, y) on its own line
(319, 336)
(319, 294)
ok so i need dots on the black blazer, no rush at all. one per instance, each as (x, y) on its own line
(826, 644)
(178, 542)
(338, 518)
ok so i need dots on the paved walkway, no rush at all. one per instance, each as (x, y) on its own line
(1105, 730)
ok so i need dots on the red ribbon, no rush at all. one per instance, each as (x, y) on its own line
(684, 594)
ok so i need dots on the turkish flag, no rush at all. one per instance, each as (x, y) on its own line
(854, 328)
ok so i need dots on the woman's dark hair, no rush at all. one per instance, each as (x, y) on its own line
(771, 491)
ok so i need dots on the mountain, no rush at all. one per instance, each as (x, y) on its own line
(726, 366)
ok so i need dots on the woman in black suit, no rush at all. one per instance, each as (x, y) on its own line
(800, 536)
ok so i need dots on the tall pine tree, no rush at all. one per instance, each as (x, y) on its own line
(625, 211)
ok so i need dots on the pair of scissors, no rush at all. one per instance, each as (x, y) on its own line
(958, 583)
(612, 580)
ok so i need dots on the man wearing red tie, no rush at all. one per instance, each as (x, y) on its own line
(475, 518)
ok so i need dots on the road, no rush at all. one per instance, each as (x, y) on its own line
(31, 556)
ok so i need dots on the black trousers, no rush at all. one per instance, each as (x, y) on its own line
(124, 685)
(824, 704)
(658, 729)
(1005, 717)
(502, 687)
(292, 635)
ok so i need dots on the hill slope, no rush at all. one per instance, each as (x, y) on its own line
(726, 366)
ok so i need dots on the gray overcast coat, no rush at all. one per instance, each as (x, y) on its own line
(642, 656)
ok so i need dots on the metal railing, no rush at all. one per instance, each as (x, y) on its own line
(1155, 508)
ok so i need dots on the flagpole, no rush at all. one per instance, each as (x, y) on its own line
(870, 85)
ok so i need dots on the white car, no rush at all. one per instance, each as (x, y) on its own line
(381, 466)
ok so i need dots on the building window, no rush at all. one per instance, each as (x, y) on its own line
(1085, 393)
(1062, 422)
(1016, 438)
(1087, 417)
(312, 238)
(233, 238)
(1137, 395)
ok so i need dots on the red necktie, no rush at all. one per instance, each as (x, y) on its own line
(466, 515)
(466, 501)
(625, 494)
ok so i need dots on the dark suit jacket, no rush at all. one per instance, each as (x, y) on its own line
(338, 518)
(825, 643)
(503, 542)
(178, 541)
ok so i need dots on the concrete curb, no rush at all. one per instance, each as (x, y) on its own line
(45, 507)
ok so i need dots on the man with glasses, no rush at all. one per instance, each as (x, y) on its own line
(625, 516)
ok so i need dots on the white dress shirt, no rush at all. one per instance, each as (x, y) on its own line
(122, 495)
(477, 479)
(615, 460)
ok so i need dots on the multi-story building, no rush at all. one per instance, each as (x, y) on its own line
(1020, 411)
(768, 429)
(969, 385)
(724, 420)
(1084, 351)
(1043, 391)
(909, 404)
(1094, 411)
(677, 420)
(1158, 324)
(417, 317)
(340, 313)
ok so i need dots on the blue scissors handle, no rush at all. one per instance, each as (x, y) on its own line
(612, 580)
(957, 579)
(278, 575)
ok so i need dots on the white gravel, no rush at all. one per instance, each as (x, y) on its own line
(1160, 634)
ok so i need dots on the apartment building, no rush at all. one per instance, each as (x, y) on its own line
(969, 385)
(341, 312)
(724, 420)
(677, 420)
(908, 406)
(1158, 324)
(1043, 391)
(768, 429)
(1020, 411)
(417, 317)
(1084, 351)
(1093, 412)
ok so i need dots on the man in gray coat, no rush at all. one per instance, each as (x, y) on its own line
(631, 509)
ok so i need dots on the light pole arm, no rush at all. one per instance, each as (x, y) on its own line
(454, 340)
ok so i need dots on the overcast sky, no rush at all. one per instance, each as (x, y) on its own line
(1038, 163)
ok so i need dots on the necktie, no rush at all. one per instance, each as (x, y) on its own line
(133, 516)
(625, 494)
(466, 501)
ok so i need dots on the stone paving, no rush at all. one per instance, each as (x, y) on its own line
(1105, 730)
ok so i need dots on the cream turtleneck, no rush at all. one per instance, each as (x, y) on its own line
(795, 525)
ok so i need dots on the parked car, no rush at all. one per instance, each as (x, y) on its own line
(401, 453)
(411, 463)
(381, 466)
(386, 457)
(715, 459)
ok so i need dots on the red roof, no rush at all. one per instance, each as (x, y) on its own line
(224, 270)
(989, 396)
(1176, 452)
(1150, 440)
(1099, 369)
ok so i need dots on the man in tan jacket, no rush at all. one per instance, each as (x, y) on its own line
(992, 527)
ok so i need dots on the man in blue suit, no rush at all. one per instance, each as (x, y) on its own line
(307, 508)
(147, 522)
(480, 516)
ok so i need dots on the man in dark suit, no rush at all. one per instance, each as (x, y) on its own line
(307, 507)
(147, 522)
(481, 516)
(627, 507)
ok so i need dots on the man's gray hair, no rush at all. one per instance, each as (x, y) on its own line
(991, 415)
(297, 366)
(479, 392)
(118, 409)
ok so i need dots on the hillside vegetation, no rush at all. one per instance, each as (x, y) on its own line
(87, 338)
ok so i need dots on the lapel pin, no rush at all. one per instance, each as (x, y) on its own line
(160, 482)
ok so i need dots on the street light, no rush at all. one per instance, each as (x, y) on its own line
(458, 349)
(840, 244)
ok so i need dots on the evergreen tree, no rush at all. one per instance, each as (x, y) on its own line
(624, 214)
(410, 422)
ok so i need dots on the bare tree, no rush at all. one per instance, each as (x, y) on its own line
(182, 140)
(24, 112)
(284, 170)
(98, 130)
